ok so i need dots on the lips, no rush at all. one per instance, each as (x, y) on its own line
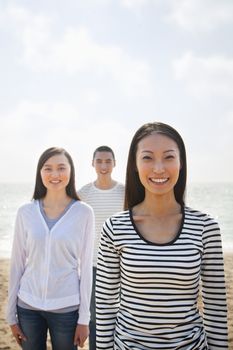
(159, 180)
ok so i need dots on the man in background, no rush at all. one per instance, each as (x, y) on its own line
(106, 196)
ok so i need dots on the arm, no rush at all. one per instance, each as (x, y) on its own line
(17, 266)
(213, 288)
(86, 270)
(107, 289)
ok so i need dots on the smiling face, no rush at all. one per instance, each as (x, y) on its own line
(158, 163)
(55, 173)
(103, 163)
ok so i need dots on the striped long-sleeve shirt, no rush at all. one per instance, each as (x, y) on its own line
(147, 293)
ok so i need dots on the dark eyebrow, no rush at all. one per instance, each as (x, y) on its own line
(47, 164)
(104, 159)
(169, 150)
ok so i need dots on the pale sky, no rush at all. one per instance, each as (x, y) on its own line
(80, 74)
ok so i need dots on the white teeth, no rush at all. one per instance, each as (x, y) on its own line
(55, 182)
(159, 180)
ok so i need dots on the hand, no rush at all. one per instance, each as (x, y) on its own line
(81, 334)
(17, 334)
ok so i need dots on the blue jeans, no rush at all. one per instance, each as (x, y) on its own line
(35, 325)
(92, 336)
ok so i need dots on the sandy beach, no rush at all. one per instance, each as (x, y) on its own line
(8, 343)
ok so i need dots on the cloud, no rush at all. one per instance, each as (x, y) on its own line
(38, 123)
(132, 4)
(205, 76)
(229, 119)
(201, 15)
(77, 52)
(32, 31)
(191, 15)
(31, 127)
(74, 51)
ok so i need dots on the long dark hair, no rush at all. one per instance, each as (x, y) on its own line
(40, 190)
(134, 190)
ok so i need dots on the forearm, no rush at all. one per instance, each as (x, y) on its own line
(107, 305)
(17, 267)
(86, 273)
(213, 290)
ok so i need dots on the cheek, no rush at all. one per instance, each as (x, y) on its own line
(142, 172)
(142, 168)
(138, 166)
(176, 168)
(43, 176)
(68, 174)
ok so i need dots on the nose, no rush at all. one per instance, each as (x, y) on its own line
(55, 173)
(158, 167)
(103, 166)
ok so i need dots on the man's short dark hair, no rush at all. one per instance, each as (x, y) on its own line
(103, 149)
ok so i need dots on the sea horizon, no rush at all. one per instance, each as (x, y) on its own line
(215, 199)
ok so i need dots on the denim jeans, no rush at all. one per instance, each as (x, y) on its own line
(92, 336)
(35, 325)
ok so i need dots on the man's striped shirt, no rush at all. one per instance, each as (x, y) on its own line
(104, 203)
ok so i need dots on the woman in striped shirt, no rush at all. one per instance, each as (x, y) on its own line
(157, 255)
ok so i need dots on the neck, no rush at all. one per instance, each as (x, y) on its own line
(158, 205)
(105, 183)
(56, 199)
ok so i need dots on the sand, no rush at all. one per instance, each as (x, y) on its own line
(8, 343)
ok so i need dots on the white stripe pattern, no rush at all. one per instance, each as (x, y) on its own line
(104, 203)
(146, 293)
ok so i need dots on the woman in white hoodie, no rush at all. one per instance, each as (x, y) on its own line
(51, 264)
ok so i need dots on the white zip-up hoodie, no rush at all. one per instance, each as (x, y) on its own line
(52, 269)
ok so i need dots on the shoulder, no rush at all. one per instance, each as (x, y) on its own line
(120, 186)
(117, 192)
(120, 218)
(27, 211)
(85, 188)
(197, 216)
(211, 234)
(26, 207)
(83, 207)
(117, 226)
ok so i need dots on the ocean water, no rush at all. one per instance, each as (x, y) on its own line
(214, 199)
